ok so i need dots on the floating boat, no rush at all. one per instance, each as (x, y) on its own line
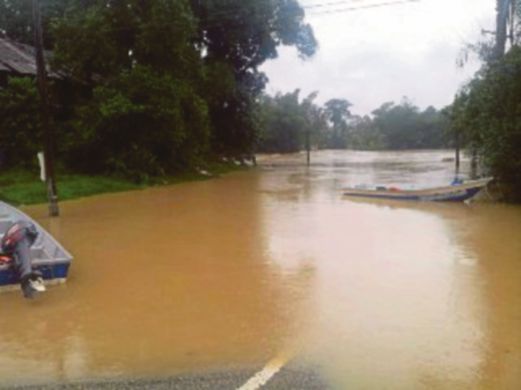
(48, 256)
(453, 193)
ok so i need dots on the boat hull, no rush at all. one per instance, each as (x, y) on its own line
(48, 256)
(49, 272)
(458, 193)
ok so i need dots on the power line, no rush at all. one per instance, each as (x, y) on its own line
(324, 5)
(363, 7)
(215, 19)
(314, 9)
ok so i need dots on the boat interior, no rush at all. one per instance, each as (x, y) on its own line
(45, 249)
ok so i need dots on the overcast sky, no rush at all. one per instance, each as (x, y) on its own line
(382, 54)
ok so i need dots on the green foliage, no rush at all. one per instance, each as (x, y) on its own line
(25, 187)
(243, 34)
(141, 124)
(285, 123)
(404, 126)
(364, 135)
(156, 86)
(337, 112)
(16, 19)
(20, 124)
(488, 116)
(146, 116)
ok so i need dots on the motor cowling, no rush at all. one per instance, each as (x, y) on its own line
(16, 233)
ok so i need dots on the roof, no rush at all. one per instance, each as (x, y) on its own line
(19, 59)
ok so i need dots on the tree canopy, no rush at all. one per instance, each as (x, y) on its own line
(391, 126)
(159, 85)
(487, 116)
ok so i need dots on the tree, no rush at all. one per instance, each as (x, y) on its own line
(117, 54)
(146, 116)
(337, 112)
(404, 126)
(488, 114)
(16, 19)
(283, 123)
(287, 123)
(20, 125)
(241, 35)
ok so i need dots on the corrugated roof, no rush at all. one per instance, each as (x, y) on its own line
(19, 58)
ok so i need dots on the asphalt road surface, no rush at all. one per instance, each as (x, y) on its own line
(291, 377)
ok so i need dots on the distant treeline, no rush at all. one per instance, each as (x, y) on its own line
(287, 122)
(148, 88)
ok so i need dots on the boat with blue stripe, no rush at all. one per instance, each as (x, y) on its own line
(47, 254)
(458, 192)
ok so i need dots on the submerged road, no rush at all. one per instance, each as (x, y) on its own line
(287, 378)
(270, 277)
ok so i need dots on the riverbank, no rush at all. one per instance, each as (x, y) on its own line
(23, 187)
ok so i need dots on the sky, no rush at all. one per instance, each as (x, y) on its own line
(377, 55)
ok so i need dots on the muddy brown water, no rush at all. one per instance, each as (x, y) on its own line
(232, 272)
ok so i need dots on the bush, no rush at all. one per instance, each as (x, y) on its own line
(142, 124)
(20, 124)
(490, 114)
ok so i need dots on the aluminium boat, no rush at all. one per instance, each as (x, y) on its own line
(47, 254)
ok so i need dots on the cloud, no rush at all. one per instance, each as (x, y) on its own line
(373, 56)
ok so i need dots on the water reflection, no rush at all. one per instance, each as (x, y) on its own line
(399, 296)
(164, 280)
(229, 272)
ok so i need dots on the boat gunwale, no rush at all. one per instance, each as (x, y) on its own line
(446, 190)
(64, 257)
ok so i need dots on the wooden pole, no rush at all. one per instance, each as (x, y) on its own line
(457, 152)
(474, 164)
(501, 27)
(308, 147)
(41, 78)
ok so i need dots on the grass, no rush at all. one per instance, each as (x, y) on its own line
(24, 187)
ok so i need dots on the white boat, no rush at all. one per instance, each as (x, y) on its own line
(453, 193)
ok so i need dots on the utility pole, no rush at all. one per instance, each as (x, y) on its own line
(457, 151)
(308, 147)
(502, 9)
(41, 78)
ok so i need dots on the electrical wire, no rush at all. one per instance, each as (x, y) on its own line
(323, 5)
(363, 7)
(316, 9)
(212, 22)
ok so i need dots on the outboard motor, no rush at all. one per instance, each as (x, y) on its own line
(16, 244)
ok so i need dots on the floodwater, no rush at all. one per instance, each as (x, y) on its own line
(229, 273)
